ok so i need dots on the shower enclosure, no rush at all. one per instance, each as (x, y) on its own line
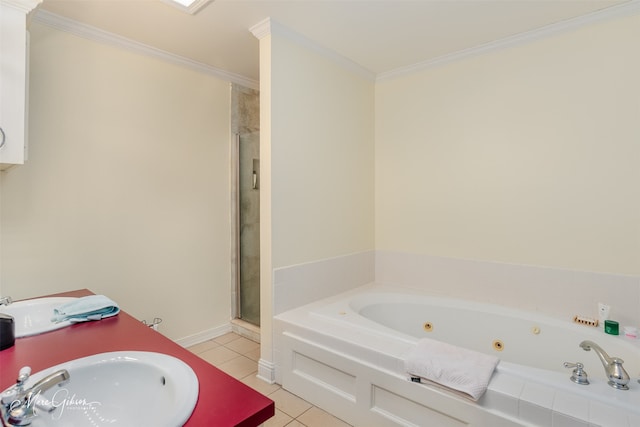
(248, 227)
(245, 125)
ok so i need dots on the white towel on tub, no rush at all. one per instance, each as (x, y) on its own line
(456, 368)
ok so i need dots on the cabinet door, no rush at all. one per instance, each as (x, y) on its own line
(13, 79)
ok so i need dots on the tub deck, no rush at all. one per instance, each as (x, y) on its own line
(330, 355)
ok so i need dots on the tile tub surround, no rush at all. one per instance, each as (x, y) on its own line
(556, 292)
(222, 400)
(301, 284)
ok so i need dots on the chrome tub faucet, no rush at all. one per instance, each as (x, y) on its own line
(618, 377)
(5, 300)
(19, 406)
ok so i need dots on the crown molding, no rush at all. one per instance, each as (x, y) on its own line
(269, 26)
(625, 9)
(95, 34)
(261, 29)
(25, 6)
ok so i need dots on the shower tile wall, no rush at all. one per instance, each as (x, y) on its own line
(245, 110)
(245, 121)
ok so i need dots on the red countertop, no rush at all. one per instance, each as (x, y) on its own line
(222, 400)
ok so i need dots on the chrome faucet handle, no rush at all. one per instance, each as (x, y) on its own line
(5, 300)
(16, 390)
(18, 405)
(23, 375)
(618, 377)
(13, 396)
(579, 375)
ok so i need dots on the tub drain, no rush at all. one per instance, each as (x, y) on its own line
(428, 326)
(498, 345)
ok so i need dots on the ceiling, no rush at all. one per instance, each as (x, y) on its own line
(381, 35)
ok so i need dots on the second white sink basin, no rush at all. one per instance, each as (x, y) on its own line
(33, 316)
(124, 388)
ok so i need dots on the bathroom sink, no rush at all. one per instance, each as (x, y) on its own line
(123, 388)
(33, 316)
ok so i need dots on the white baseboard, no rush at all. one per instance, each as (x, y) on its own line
(266, 371)
(246, 329)
(203, 336)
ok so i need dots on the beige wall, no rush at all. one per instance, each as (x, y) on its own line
(527, 155)
(321, 156)
(316, 161)
(126, 191)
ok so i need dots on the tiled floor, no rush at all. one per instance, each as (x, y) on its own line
(238, 357)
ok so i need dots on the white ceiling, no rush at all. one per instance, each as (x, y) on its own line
(381, 36)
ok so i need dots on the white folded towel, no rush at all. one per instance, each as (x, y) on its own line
(466, 371)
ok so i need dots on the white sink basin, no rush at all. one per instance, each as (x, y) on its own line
(123, 388)
(33, 316)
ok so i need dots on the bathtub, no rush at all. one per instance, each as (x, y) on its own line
(345, 354)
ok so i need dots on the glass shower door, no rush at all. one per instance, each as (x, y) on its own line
(249, 227)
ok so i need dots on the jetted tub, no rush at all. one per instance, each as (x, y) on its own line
(346, 353)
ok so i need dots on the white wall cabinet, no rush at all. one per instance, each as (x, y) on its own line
(13, 80)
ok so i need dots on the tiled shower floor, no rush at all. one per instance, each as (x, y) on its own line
(238, 357)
